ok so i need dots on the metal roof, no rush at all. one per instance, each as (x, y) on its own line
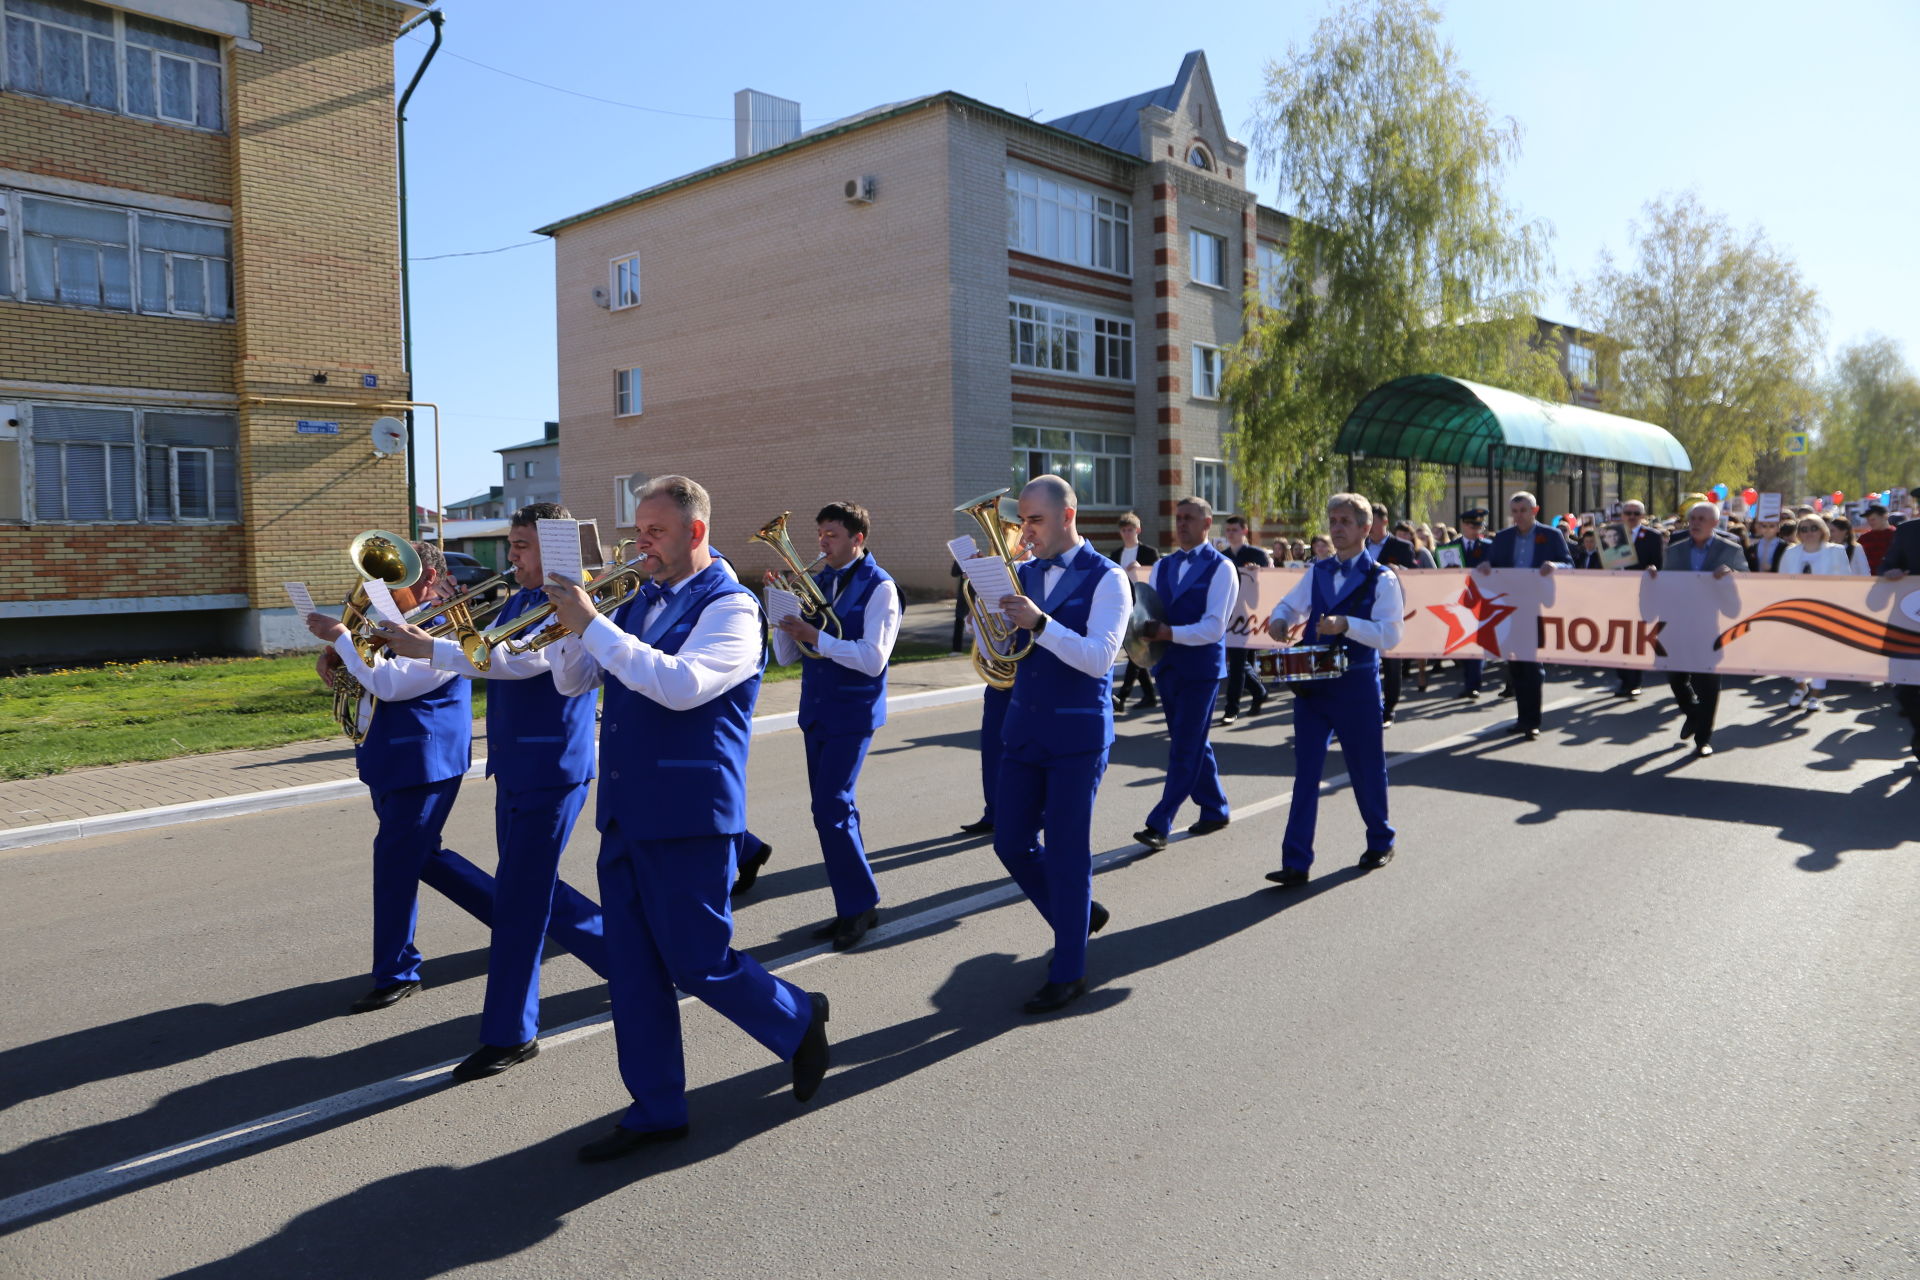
(1432, 418)
(531, 444)
(1117, 124)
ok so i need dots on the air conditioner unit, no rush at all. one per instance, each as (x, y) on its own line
(860, 190)
(603, 299)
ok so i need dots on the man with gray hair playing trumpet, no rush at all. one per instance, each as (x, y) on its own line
(1351, 601)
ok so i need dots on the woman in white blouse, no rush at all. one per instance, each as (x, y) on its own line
(1813, 553)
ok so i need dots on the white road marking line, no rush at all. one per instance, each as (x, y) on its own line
(57, 1195)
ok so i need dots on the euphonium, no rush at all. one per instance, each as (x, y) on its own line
(995, 651)
(389, 558)
(798, 578)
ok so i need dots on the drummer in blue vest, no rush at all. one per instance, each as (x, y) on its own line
(1352, 601)
(1059, 727)
(540, 757)
(418, 745)
(843, 700)
(1199, 587)
(684, 657)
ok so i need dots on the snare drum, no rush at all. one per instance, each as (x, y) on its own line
(1307, 662)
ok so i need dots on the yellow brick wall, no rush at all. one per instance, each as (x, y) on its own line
(42, 343)
(84, 145)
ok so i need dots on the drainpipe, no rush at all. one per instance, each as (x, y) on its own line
(406, 281)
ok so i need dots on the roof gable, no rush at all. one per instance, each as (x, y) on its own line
(1117, 124)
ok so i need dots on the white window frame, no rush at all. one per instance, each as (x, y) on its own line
(13, 249)
(1049, 217)
(628, 388)
(28, 445)
(1196, 239)
(1272, 275)
(125, 49)
(513, 471)
(1209, 367)
(1087, 459)
(176, 455)
(1583, 365)
(1199, 157)
(533, 467)
(1068, 341)
(1213, 480)
(623, 282)
(624, 505)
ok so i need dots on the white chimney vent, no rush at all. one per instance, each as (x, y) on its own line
(762, 122)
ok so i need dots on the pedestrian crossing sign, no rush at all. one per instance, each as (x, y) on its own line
(1796, 444)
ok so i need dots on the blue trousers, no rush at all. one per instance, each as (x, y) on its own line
(1192, 772)
(1055, 793)
(669, 925)
(993, 718)
(1471, 670)
(407, 853)
(1348, 708)
(530, 902)
(833, 770)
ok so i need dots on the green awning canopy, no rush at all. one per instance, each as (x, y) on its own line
(1431, 418)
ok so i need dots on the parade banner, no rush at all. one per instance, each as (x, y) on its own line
(1839, 628)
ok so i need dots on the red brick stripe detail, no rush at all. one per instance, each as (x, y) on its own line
(1074, 285)
(1170, 447)
(1169, 416)
(1107, 277)
(1056, 402)
(1074, 388)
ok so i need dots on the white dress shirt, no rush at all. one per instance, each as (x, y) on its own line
(391, 678)
(722, 651)
(1091, 654)
(869, 654)
(1379, 630)
(1222, 594)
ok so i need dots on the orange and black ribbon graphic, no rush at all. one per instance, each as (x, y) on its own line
(1842, 626)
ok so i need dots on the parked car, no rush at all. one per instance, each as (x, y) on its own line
(468, 572)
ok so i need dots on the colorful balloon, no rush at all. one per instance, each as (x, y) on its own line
(1819, 504)
(1749, 495)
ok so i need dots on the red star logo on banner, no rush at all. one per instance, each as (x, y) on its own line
(1475, 619)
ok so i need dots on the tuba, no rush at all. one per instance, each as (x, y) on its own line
(385, 557)
(798, 578)
(995, 649)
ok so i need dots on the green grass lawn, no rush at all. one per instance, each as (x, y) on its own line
(156, 710)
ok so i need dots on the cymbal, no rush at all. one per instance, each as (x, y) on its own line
(1148, 611)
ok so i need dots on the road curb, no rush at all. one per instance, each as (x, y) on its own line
(107, 824)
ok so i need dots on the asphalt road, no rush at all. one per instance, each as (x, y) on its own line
(1612, 1012)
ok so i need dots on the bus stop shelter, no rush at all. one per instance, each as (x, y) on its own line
(1572, 457)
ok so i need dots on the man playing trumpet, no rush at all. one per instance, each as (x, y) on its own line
(540, 757)
(843, 700)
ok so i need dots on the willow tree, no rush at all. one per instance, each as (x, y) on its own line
(1405, 257)
(1869, 436)
(1718, 337)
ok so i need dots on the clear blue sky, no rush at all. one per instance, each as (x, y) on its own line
(1786, 116)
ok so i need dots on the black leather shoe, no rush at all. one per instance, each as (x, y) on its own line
(1373, 859)
(1055, 996)
(620, 1141)
(750, 870)
(1147, 704)
(980, 828)
(492, 1059)
(381, 997)
(1207, 826)
(1473, 695)
(811, 1058)
(1097, 918)
(1533, 735)
(1507, 692)
(848, 932)
(1154, 840)
(1259, 701)
(1288, 879)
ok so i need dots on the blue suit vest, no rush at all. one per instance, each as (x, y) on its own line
(671, 775)
(537, 737)
(422, 740)
(1186, 605)
(1055, 710)
(1356, 601)
(837, 699)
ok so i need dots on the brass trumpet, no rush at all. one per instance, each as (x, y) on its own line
(995, 652)
(798, 578)
(618, 584)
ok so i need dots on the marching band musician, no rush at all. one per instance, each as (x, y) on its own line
(843, 700)
(1200, 587)
(540, 756)
(1350, 600)
(418, 745)
(684, 656)
(1059, 727)
(993, 722)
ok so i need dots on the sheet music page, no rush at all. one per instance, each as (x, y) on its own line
(301, 597)
(781, 605)
(991, 581)
(964, 547)
(560, 549)
(383, 603)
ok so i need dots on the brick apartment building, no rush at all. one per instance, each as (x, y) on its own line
(199, 316)
(913, 306)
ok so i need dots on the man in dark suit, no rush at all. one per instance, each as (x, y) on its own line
(1701, 551)
(1527, 544)
(1649, 552)
(1395, 553)
(1133, 551)
(1475, 547)
(1241, 675)
(1903, 558)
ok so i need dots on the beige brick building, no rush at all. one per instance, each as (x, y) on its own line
(913, 306)
(199, 316)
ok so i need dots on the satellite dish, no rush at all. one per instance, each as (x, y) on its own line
(389, 435)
